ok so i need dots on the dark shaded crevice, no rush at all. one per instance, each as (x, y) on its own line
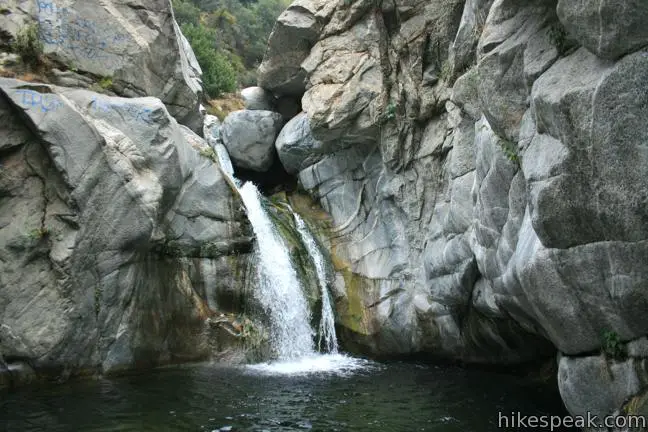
(274, 180)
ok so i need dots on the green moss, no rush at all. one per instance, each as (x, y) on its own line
(106, 83)
(612, 346)
(354, 314)
(28, 45)
(509, 149)
(38, 233)
(637, 406)
(209, 153)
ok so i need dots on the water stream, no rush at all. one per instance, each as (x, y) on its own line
(278, 290)
(327, 338)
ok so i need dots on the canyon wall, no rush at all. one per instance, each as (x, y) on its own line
(122, 245)
(484, 164)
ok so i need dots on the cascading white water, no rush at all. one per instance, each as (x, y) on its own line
(279, 291)
(280, 294)
(327, 338)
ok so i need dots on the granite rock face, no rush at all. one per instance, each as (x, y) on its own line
(295, 31)
(608, 28)
(116, 236)
(484, 167)
(136, 47)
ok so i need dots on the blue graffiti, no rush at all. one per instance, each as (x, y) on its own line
(84, 37)
(46, 6)
(45, 102)
(140, 114)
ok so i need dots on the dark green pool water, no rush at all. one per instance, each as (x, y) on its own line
(395, 397)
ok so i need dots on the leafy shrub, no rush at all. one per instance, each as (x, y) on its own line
(388, 114)
(28, 44)
(186, 12)
(558, 37)
(106, 83)
(612, 345)
(218, 74)
(510, 150)
(38, 233)
(229, 38)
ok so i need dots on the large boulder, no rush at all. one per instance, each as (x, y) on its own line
(249, 137)
(594, 186)
(608, 28)
(497, 221)
(597, 385)
(109, 220)
(344, 85)
(136, 48)
(295, 32)
(296, 146)
(256, 98)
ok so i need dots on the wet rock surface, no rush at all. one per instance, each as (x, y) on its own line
(483, 165)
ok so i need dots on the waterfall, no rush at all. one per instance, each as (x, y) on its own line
(327, 338)
(280, 293)
(279, 290)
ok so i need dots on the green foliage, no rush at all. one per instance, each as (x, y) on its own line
(106, 83)
(219, 75)
(38, 233)
(229, 38)
(510, 150)
(186, 12)
(209, 153)
(558, 37)
(388, 114)
(612, 346)
(28, 44)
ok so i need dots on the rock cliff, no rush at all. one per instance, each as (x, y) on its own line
(122, 245)
(132, 48)
(484, 164)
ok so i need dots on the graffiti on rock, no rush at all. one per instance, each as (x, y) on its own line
(44, 102)
(85, 39)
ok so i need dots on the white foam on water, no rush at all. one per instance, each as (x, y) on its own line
(335, 364)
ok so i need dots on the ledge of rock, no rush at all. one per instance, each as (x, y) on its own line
(111, 222)
(136, 46)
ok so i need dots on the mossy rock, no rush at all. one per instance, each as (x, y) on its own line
(282, 217)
